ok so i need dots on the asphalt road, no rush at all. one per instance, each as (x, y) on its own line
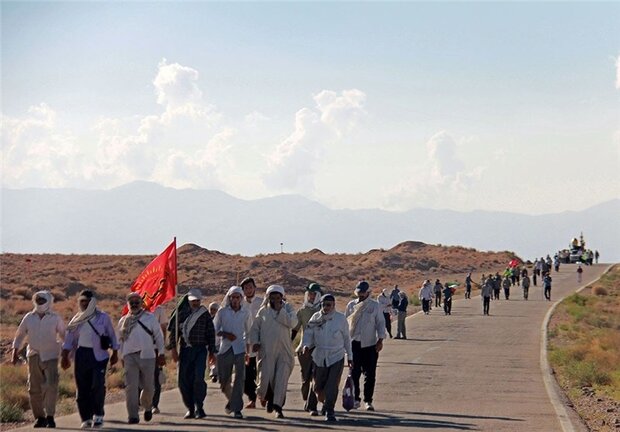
(460, 372)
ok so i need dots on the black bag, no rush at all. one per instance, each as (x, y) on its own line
(105, 340)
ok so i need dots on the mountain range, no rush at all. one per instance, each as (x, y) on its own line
(142, 218)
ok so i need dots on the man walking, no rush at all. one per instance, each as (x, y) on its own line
(232, 325)
(270, 337)
(525, 284)
(89, 336)
(486, 292)
(438, 288)
(547, 286)
(367, 330)
(142, 349)
(426, 296)
(253, 303)
(386, 307)
(447, 300)
(506, 284)
(197, 337)
(312, 304)
(44, 330)
(327, 336)
(401, 332)
(468, 282)
(497, 283)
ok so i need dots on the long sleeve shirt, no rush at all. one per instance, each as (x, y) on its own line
(235, 322)
(426, 292)
(44, 335)
(102, 322)
(385, 302)
(254, 306)
(371, 326)
(330, 340)
(140, 341)
(201, 334)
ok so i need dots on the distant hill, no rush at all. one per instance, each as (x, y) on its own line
(143, 217)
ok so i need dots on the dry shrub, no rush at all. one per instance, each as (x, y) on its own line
(599, 291)
(13, 386)
(116, 378)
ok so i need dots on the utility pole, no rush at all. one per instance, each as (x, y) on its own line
(281, 247)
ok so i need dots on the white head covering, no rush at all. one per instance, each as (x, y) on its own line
(232, 290)
(317, 300)
(275, 288)
(271, 289)
(46, 307)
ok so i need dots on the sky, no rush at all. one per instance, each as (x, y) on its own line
(394, 105)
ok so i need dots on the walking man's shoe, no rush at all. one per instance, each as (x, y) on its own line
(148, 415)
(200, 413)
(190, 414)
(51, 424)
(40, 423)
(251, 404)
(133, 420)
(369, 406)
(238, 415)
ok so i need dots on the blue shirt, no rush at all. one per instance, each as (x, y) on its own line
(103, 324)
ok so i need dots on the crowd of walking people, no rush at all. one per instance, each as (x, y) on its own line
(246, 341)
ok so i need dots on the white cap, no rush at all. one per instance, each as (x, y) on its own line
(194, 294)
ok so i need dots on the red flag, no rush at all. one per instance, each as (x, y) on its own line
(157, 282)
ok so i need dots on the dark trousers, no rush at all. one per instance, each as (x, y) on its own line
(192, 385)
(365, 360)
(437, 299)
(447, 305)
(157, 393)
(326, 382)
(307, 372)
(90, 383)
(525, 293)
(507, 293)
(548, 293)
(486, 303)
(388, 323)
(250, 379)
(495, 293)
(468, 292)
(426, 306)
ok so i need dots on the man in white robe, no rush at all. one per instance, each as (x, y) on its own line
(270, 336)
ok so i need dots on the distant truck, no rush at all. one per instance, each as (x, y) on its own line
(577, 252)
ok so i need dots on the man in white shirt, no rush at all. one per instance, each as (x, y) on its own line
(253, 303)
(426, 295)
(367, 330)
(232, 325)
(328, 333)
(44, 330)
(141, 342)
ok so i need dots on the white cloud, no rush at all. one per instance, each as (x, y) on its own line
(176, 85)
(294, 163)
(441, 180)
(184, 145)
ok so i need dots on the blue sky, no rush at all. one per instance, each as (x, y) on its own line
(496, 106)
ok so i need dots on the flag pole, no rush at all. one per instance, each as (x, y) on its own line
(176, 298)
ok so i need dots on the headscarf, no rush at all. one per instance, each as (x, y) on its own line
(317, 300)
(131, 319)
(272, 289)
(47, 306)
(232, 290)
(83, 316)
(318, 319)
